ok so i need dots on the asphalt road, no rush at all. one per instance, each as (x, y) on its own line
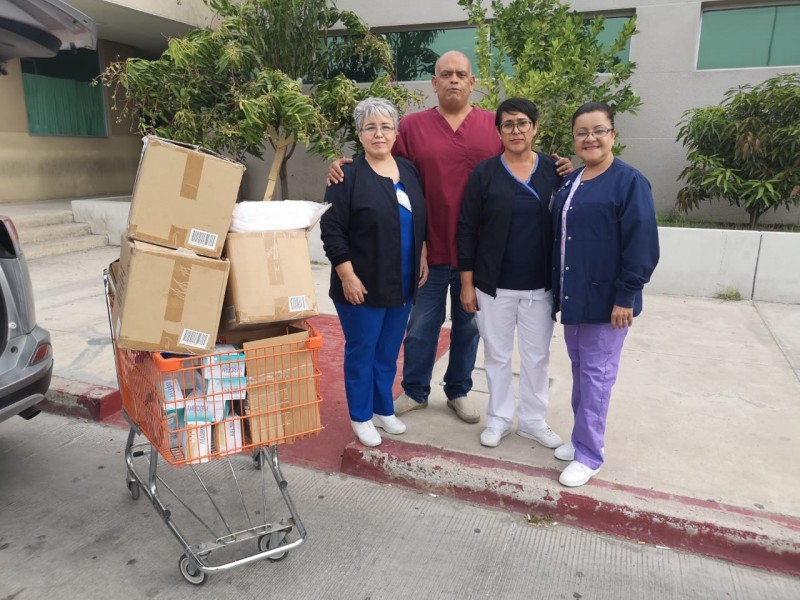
(69, 529)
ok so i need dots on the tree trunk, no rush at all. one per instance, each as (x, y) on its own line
(281, 146)
(283, 174)
(754, 219)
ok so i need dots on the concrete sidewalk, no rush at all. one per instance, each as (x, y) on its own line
(702, 445)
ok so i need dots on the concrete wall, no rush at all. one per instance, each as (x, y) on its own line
(694, 262)
(707, 262)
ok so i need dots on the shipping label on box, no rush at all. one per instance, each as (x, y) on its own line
(167, 300)
(282, 398)
(183, 197)
(270, 278)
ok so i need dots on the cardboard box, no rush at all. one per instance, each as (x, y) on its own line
(183, 197)
(270, 278)
(282, 401)
(167, 300)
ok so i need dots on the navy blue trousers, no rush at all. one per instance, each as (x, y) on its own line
(372, 338)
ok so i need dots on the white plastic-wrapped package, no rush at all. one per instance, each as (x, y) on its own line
(279, 215)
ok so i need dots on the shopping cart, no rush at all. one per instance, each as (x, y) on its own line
(221, 416)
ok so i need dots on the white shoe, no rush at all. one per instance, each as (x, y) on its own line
(491, 436)
(366, 432)
(576, 474)
(544, 435)
(565, 452)
(465, 409)
(390, 424)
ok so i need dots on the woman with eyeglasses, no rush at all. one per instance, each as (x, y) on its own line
(504, 242)
(373, 235)
(605, 250)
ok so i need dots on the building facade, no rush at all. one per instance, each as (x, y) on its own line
(59, 137)
(688, 54)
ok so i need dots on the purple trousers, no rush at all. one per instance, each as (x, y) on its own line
(594, 350)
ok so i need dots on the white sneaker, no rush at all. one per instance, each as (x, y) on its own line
(390, 424)
(565, 452)
(465, 409)
(491, 436)
(405, 403)
(576, 474)
(544, 435)
(366, 432)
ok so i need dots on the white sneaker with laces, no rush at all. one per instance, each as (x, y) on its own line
(544, 435)
(576, 474)
(389, 423)
(491, 436)
(565, 452)
(366, 433)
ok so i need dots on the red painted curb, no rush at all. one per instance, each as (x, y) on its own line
(685, 524)
(76, 399)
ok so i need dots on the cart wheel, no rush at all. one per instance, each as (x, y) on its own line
(133, 489)
(265, 542)
(190, 571)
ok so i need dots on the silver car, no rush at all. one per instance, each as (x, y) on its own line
(26, 355)
(29, 28)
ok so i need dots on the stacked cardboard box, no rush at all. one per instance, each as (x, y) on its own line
(176, 291)
(171, 279)
(270, 278)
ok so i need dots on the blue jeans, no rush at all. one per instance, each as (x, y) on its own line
(422, 337)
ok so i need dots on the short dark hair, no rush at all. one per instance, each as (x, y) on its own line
(590, 107)
(517, 105)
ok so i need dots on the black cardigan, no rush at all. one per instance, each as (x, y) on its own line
(363, 226)
(485, 220)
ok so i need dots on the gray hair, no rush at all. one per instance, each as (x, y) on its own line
(375, 106)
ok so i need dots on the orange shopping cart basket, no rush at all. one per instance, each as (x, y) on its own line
(233, 407)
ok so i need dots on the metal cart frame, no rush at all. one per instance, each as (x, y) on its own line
(269, 540)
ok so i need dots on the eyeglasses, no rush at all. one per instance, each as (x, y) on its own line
(600, 132)
(523, 125)
(373, 130)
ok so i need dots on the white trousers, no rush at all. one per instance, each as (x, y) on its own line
(528, 313)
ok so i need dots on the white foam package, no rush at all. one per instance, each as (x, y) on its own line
(280, 215)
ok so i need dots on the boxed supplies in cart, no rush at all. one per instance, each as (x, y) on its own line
(183, 197)
(270, 278)
(283, 398)
(167, 300)
(257, 388)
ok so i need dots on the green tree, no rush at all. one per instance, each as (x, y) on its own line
(413, 57)
(544, 51)
(239, 86)
(746, 150)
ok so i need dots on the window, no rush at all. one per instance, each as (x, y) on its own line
(611, 29)
(59, 98)
(750, 37)
(415, 52)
